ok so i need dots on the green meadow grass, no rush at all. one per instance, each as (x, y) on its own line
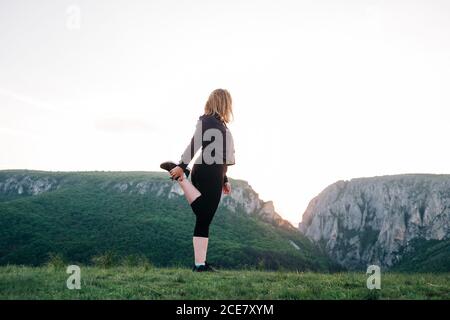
(146, 282)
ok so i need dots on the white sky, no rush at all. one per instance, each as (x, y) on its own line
(322, 90)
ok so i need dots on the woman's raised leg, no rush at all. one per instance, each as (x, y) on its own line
(190, 192)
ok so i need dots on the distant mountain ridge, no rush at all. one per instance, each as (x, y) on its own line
(386, 220)
(243, 196)
(81, 215)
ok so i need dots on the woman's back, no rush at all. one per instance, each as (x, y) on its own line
(215, 139)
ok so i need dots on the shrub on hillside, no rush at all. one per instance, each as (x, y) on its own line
(105, 260)
(136, 260)
(56, 260)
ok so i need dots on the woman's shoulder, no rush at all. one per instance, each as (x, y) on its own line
(206, 116)
(211, 117)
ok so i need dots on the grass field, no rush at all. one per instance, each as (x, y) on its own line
(49, 282)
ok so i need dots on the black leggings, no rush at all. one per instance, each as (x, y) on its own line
(208, 179)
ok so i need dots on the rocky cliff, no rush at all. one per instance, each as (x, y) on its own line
(373, 220)
(15, 184)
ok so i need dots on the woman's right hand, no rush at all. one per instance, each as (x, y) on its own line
(226, 188)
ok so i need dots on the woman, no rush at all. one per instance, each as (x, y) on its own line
(208, 176)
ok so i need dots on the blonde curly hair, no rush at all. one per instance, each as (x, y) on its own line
(220, 102)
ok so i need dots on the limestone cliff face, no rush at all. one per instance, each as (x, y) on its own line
(372, 220)
(27, 185)
(243, 197)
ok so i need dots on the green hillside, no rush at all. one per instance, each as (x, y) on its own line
(426, 256)
(174, 283)
(85, 217)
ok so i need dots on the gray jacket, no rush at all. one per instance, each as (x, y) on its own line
(216, 141)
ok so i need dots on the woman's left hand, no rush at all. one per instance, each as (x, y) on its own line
(177, 172)
(226, 188)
